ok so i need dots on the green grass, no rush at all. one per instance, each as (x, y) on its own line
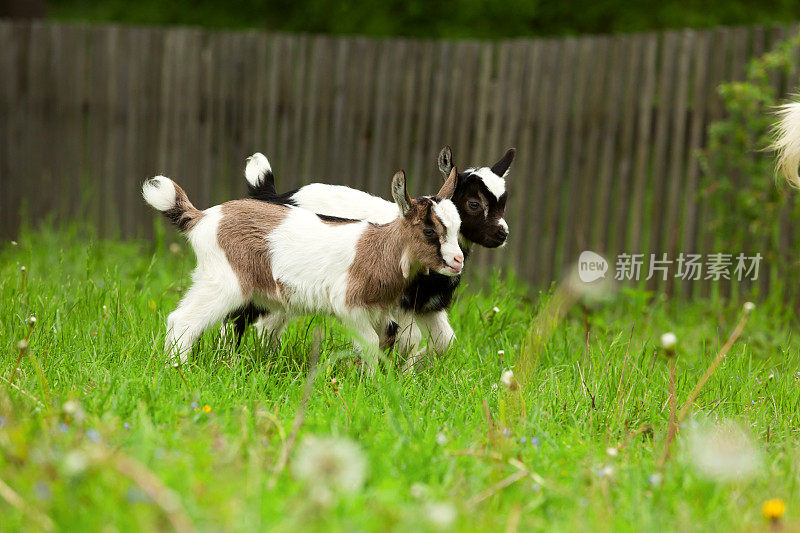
(101, 308)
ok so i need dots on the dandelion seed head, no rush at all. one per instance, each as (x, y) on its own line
(612, 451)
(418, 491)
(508, 381)
(31, 320)
(605, 471)
(669, 342)
(75, 463)
(22, 346)
(441, 439)
(74, 409)
(329, 466)
(748, 307)
(440, 515)
(654, 479)
(723, 451)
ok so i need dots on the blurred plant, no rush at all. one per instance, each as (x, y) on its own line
(739, 187)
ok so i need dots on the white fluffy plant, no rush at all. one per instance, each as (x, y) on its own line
(329, 467)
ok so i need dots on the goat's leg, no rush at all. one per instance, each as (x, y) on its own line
(408, 334)
(204, 304)
(437, 326)
(361, 325)
(441, 336)
(270, 327)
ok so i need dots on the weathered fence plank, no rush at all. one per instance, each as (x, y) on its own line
(607, 128)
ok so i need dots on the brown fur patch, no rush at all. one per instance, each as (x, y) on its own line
(375, 278)
(242, 235)
(183, 214)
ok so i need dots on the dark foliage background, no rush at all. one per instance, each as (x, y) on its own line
(436, 18)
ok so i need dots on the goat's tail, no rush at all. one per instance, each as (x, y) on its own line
(260, 180)
(787, 142)
(166, 196)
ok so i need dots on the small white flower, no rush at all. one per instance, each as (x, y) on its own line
(75, 463)
(31, 321)
(13, 243)
(612, 451)
(440, 515)
(74, 409)
(669, 341)
(496, 309)
(501, 352)
(22, 268)
(418, 491)
(606, 471)
(441, 439)
(749, 307)
(508, 381)
(654, 479)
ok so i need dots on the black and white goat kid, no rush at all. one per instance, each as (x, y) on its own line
(480, 197)
(288, 261)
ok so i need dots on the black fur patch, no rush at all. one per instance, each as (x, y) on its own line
(428, 293)
(389, 335)
(179, 217)
(266, 192)
(331, 218)
(479, 226)
(243, 318)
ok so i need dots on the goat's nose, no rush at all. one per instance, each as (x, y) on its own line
(502, 233)
(459, 260)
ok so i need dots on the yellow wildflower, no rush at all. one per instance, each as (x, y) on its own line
(774, 509)
(206, 408)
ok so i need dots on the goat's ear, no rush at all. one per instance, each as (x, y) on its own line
(501, 167)
(399, 192)
(445, 161)
(449, 186)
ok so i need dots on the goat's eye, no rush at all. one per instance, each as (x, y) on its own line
(473, 205)
(428, 232)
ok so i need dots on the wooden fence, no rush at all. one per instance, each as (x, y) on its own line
(606, 126)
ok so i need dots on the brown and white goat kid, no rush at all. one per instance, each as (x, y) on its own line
(290, 260)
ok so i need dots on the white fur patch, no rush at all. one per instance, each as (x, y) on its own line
(448, 214)
(787, 142)
(312, 259)
(493, 182)
(214, 292)
(257, 167)
(345, 202)
(159, 192)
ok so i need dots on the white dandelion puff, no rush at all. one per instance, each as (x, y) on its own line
(330, 466)
(508, 381)
(440, 515)
(723, 451)
(669, 341)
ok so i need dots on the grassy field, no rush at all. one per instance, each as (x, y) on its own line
(96, 435)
